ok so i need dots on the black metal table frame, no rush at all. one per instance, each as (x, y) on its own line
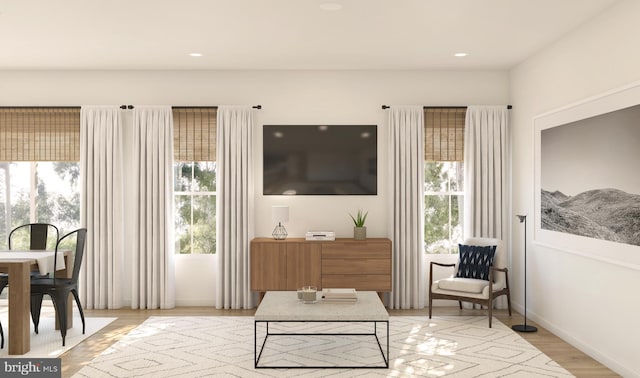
(256, 355)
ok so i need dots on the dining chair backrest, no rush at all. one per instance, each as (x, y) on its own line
(39, 235)
(81, 237)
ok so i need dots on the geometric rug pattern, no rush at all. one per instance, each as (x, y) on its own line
(223, 346)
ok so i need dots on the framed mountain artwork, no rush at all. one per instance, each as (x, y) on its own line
(587, 185)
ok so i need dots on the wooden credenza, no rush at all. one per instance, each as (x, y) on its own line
(346, 263)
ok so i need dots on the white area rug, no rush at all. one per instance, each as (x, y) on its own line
(221, 346)
(48, 342)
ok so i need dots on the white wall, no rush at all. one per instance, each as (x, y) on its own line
(591, 304)
(287, 97)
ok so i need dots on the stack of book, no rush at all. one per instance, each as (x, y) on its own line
(339, 295)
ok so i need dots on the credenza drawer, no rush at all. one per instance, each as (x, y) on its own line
(353, 266)
(356, 251)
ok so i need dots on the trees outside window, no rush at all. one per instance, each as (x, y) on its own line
(48, 192)
(39, 192)
(195, 207)
(444, 196)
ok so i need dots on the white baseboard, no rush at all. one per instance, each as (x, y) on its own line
(584, 347)
(195, 303)
(180, 303)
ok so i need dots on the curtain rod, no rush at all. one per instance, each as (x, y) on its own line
(442, 107)
(121, 107)
(37, 107)
(188, 107)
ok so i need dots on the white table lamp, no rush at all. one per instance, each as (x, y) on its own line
(279, 214)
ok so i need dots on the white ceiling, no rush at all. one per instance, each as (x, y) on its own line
(282, 34)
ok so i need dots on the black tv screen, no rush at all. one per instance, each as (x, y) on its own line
(320, 160)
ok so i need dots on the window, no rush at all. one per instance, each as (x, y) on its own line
(195, 205)
(443, 179)
(444, 200)
(195, 180)
(46, 192)
(39, 169)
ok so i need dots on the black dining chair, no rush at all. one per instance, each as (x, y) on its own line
(31, 236)
(59, 288)
(39, 237)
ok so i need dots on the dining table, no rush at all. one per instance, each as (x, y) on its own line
(19, 264)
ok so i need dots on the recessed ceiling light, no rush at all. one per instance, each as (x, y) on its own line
(195, 55)
(330, 6)
(460, 54)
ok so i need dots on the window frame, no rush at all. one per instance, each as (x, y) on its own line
(459, 193)
(191, 195)
(37, 214)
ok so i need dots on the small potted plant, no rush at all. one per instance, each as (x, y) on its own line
(359, 230)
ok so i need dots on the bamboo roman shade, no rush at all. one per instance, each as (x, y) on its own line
(39, 134)
(194, 134)
(444, 134)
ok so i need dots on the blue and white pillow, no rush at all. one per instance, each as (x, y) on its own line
(475, 261)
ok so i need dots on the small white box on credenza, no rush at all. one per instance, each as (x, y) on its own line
(321, 235)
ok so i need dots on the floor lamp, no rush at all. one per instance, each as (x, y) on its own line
(524, 327)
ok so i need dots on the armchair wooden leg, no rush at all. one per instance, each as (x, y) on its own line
(490, 306)
(430, 305)
(460, 304)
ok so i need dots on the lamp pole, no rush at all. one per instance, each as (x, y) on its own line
(524, 327)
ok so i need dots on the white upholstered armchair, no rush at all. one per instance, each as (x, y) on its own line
(468, 283)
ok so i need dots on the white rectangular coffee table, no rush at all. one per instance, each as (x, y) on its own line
(284, 306)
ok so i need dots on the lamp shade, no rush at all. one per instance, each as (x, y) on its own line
(280, 213)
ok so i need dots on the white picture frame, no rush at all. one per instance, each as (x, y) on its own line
(587, 117)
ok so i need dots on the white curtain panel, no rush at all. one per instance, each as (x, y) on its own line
(486, 154)
(234, 205)
(406, 207)
(152, 257)
(101, 206)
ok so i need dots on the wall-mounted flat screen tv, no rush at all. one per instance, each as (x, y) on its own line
(320, 160)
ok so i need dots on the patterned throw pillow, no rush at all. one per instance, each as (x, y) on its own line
(475, 261)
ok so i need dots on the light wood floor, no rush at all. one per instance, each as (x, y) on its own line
(567, 356)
